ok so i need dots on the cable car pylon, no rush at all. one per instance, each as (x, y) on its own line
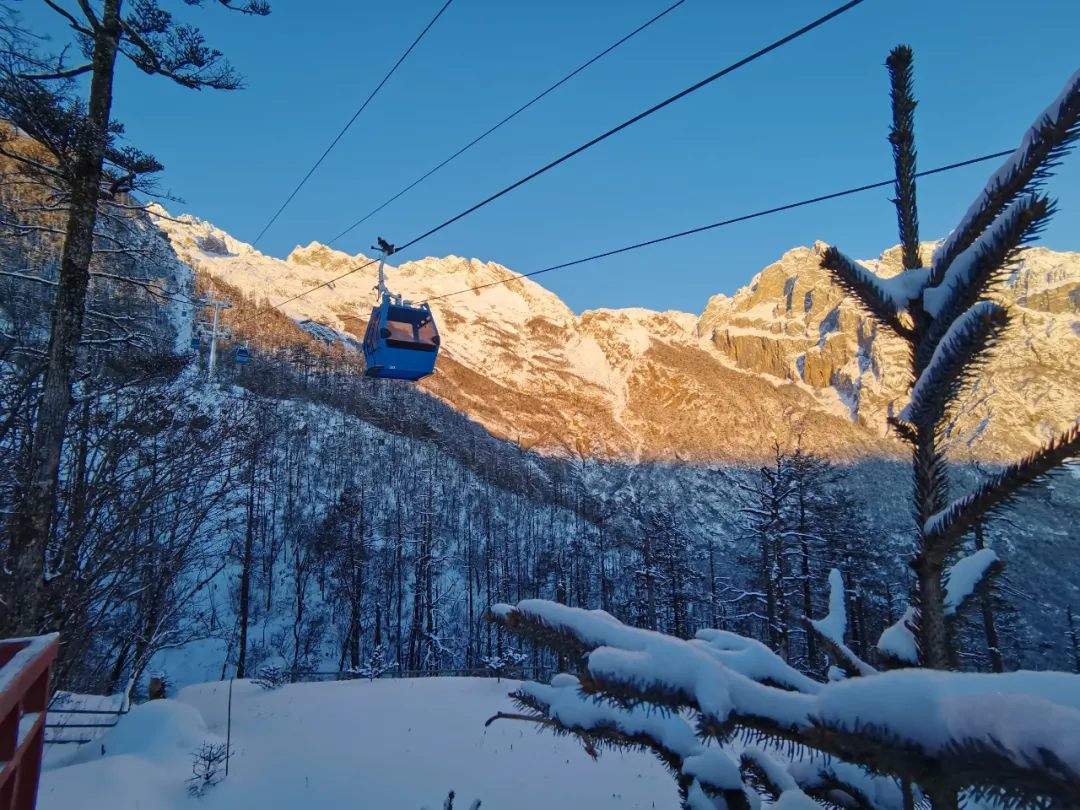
(214, 329)
(401, 341)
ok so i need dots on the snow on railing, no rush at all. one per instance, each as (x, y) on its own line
(25, 668)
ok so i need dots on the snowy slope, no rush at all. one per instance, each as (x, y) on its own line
(383, 745)
(788, 353)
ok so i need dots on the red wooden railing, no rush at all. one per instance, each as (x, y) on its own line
(25, 667)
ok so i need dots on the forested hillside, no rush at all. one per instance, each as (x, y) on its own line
(318, 520)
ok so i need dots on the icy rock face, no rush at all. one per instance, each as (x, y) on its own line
(786, 354)
(213, 244)
(793, 323)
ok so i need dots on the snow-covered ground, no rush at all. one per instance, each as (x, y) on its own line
(383, 745)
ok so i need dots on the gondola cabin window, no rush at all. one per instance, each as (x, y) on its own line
(410, 329)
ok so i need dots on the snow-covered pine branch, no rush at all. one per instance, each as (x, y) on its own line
(959, 517)
(884, 298)
(669, 736)
(950, 328)
(973, 272)
(988, 257)
(755, 660)
(772, 778)
(834, 781)
(962, 579)
(947, 731)
(960, 355)
(899, 643)
(1045, 142)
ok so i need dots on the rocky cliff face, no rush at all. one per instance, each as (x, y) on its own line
(786, 355)
(791, 322)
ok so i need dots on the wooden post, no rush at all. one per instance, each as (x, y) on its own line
(228, 730)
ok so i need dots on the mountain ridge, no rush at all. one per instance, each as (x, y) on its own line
(787, 355)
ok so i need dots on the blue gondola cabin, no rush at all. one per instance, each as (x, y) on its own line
(241, 354)
(401, 342)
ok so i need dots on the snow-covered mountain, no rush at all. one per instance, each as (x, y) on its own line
(787, 354)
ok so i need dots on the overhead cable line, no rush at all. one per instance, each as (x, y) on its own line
(641, 116)
(349, 124)
(768, 211)
(656, 108)
(721, 224)
(508, 118)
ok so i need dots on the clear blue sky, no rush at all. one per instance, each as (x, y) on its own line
(808, 119)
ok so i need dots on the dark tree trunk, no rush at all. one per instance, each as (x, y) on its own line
(429, 606)
(782, 618)
(399, 552)
(418, 614)
(909, 795)
(713, 596)
(605, 591)
(560, 597)
(997, 664)
(39, 503)
(807, 591)
(933, 634)
(487, 570)
(929, 564)
(650, 584)
(470, 643)
(245, 575)
(770, 593)
(358, 549)
(1074, 637)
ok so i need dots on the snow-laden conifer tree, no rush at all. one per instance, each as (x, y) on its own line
(733, 720)
(951, 321)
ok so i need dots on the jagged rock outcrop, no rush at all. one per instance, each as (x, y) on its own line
(792, 322)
